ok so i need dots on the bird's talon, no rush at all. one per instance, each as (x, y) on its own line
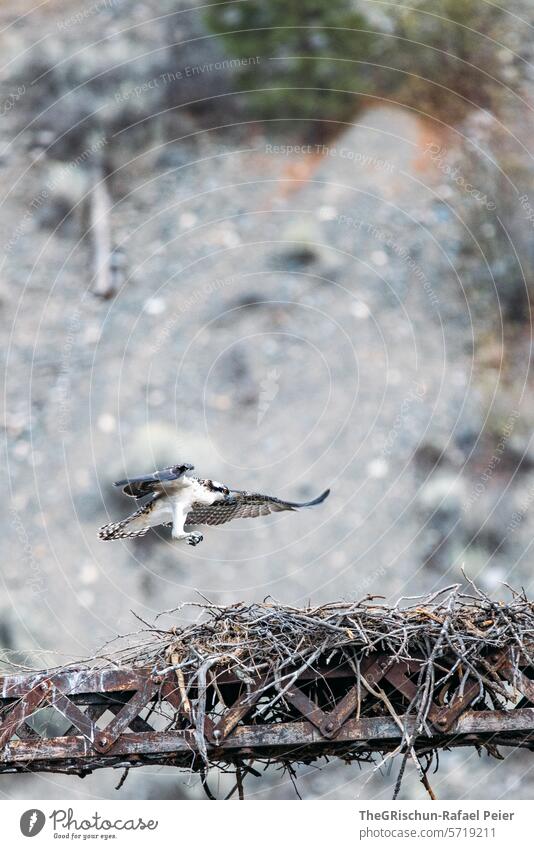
(194, 539)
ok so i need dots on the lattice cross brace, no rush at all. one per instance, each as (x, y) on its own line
(329, 723)
(448, 715)
(48, 693)
(125, 716)
(22, 710)
(239, 709)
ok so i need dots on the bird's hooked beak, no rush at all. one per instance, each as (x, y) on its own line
(182, 468)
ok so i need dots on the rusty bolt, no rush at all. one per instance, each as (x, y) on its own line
(103, 741)
(329, 726)
(383, 664)
(442, 721)
(44, 686)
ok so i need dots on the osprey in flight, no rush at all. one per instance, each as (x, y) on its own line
(180, 499)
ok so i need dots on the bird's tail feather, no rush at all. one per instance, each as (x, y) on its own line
(319, 500)
(127, 528)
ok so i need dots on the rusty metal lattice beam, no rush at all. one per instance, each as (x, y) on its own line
(130, 717)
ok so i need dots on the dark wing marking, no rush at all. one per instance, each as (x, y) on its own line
(244, 505)
(140, 486)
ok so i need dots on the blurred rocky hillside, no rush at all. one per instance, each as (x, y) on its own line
(336, 296)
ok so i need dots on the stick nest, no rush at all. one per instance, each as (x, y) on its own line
(252, 639)
(453, 633)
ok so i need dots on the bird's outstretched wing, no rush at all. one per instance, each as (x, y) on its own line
(244, 505)
(140, 486)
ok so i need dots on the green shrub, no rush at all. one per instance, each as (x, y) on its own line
(316, 58)
(297, 74)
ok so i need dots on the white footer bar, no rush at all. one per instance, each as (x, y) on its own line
(254, 824)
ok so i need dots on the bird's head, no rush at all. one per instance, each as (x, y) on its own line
(215, 486)
(182, 468)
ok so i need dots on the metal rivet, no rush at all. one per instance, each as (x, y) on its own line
(329, 726)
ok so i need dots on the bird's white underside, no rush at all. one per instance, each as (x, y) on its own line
(179, 496)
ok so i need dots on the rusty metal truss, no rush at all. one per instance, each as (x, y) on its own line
(78, 720)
